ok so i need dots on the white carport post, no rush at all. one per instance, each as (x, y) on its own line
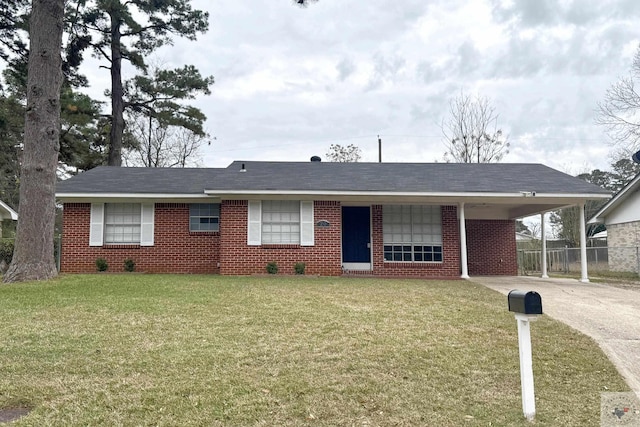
(583, 246)
(463, 242)
(545, 275)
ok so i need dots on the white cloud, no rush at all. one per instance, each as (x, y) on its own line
(290, 81)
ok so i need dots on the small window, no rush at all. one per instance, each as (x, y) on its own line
(204, 217)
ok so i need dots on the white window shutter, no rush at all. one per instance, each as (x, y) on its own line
(254, 223)
(306, 223)
(96, 227)
(146, 224)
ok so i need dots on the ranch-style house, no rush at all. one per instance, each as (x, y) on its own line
(427, 220)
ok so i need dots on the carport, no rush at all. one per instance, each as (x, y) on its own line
(523, 204)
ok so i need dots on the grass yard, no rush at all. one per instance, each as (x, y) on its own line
(284, 351)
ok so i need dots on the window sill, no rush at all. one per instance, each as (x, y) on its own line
(281, 246)
(204, 233)
(121, 246)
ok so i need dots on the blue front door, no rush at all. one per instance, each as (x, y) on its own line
(356, 234)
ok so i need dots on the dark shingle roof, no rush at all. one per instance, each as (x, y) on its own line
(324, 176)
(401, 177)
(111, 179)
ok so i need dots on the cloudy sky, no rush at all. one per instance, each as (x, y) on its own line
(291, 81)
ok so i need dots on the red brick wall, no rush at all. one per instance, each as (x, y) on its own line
(238, 258)
(491, 248)
(175, 250)
(448, 268)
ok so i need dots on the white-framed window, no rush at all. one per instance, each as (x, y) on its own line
(280, 222)
(273, 222)
(122, 223)
(412, 233)
(204, 217)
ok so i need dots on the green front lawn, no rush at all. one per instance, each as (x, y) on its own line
(284, 351)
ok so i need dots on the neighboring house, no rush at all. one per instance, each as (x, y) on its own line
(384, 219)
(621, 215)
(6, 213)
(599, 239)
(523, 236)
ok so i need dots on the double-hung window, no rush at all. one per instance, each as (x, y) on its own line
(204, 217)
(412, 233)
(122, 222)
(281, 222)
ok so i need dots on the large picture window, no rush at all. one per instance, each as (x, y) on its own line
(122, 223)
(412, 233)
(204, 217)
(280, 222)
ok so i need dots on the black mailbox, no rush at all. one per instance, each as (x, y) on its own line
(526, 302)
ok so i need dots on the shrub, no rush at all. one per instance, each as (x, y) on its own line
(272, 268)
(129, 265)
(299, 267)
(101, 264)
(6, 251)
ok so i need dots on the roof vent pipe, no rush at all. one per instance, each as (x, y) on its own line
(242, 169)
(316, 159)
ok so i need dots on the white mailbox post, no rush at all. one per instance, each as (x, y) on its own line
(527, 306)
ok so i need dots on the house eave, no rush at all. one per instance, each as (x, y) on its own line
(616, 200)
(512, 205)
(164, 197)
(5, 210)
(520, 195)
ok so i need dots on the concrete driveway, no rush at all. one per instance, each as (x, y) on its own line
(609, 315)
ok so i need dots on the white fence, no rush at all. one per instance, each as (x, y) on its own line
(567, 260)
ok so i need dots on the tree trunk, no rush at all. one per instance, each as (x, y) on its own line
(117, 94)
(33, 255)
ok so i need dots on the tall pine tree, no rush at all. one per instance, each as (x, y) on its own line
(117, 30)
(33, 254)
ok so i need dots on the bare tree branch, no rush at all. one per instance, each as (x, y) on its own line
(158, 145)
(619, 113)
(339, 153)
(471, 132)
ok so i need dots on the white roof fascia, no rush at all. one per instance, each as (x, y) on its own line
(521, 197)
(615, 201)
(130, 196)
(518, 195)
(12, 214)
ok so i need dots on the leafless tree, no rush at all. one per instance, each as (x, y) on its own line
(157, 145)
(619, 113)
(33, 254)
(342, 154)
(471, 131)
